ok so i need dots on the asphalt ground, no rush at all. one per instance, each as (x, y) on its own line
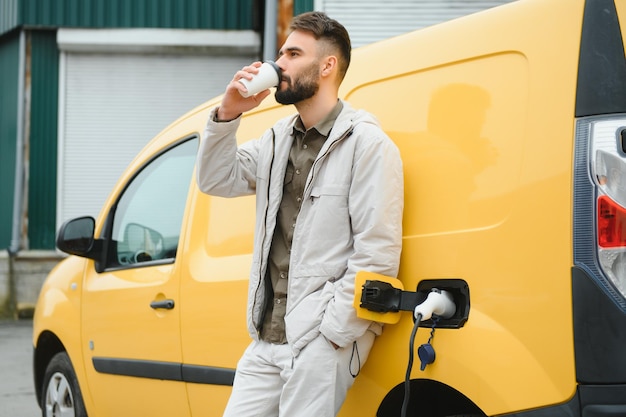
(17, 393)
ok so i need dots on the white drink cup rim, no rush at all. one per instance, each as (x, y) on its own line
(263, 80)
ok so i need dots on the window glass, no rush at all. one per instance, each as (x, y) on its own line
(149, 214)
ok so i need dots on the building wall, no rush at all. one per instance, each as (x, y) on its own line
(44, 71)
(39, 21)
(113, 103)
(21, 278)
(301, 6)
(369, 21)
(191, 14)
(9, 11)
(9, 63)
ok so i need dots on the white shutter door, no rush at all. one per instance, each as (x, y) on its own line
(113, 104)
(369, 21)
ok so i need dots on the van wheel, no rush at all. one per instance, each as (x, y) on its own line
(61, 393)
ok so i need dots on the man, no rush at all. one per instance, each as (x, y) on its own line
(329, 189)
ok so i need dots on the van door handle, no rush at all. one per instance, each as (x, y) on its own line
(166, 304)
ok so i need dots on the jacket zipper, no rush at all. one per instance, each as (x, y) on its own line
(323, 156)
(261, 280)
(310, 182)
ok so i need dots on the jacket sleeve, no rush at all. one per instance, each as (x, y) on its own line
(222, 168)
(376, 202)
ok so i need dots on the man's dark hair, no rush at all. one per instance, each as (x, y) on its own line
(323, 27)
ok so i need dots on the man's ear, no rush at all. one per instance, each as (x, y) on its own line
(329, 65)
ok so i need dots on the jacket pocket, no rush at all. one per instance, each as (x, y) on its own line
(337, 192)
(328, 217)
(303, 321)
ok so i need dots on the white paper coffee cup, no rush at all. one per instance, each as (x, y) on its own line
(269, 76)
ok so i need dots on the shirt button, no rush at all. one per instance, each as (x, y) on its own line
(283, 275)
(293, 226)
(299, 199)
(298, 171)
(305, 146)
(277, 301)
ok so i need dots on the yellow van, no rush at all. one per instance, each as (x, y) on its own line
(512, 128)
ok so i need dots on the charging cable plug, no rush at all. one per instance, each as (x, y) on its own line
(439, 303)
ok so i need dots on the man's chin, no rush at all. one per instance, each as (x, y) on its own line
(282, 98)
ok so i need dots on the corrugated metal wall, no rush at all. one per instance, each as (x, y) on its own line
(190, 14)
(9, 58)
(113, 104)
(43, 139)
(301, 6)
(8, 15)
(369, 21)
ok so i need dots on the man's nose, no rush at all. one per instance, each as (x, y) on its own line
(279, 62)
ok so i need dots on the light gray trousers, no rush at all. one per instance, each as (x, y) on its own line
(270, 382)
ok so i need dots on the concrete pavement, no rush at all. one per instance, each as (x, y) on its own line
(17, 393)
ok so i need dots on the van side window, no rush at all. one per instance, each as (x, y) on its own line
(148, 216)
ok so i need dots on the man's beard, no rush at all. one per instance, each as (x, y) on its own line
(305, 87)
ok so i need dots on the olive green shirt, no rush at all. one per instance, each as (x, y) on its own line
(305, 147)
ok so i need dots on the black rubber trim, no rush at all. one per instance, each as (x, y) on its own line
(169, 371)
(601, 85)
(588, 401)
(208, 375)
(139, 368)
(599, 333)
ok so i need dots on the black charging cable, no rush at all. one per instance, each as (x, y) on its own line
(407, 378)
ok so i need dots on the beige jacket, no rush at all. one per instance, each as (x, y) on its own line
(350, 219)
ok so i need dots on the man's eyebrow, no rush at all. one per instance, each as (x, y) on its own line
(290, 49)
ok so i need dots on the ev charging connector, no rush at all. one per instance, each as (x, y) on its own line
(439, 303)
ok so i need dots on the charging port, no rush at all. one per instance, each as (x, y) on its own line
(383, 297)
(460, 293)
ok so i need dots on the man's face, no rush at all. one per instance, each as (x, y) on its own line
(298, 59)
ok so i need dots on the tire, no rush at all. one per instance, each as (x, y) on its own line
(61, 395)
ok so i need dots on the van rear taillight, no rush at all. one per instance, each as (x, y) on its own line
(608, 172)
(611, 224)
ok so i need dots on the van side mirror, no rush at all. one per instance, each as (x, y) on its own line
(76, 237)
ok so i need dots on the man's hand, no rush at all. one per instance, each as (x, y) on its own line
(233, 103)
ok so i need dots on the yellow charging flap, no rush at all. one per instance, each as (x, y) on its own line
(360, 279)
